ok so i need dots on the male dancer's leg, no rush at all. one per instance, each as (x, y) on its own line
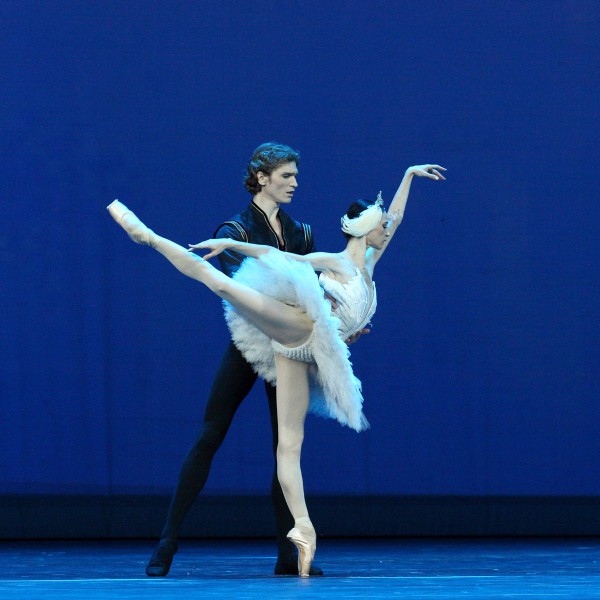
(232, 383)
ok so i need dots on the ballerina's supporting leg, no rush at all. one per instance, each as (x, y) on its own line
(292, 405)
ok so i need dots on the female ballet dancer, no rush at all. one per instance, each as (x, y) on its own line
(290, 325)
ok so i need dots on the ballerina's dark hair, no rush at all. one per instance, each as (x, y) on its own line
(266, 158)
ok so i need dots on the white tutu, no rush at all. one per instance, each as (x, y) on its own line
(334, 390)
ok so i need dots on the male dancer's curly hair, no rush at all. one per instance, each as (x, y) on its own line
(266, 158)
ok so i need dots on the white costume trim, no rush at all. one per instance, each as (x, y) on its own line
(334, 390)
(303, 353)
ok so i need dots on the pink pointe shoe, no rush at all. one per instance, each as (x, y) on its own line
(304, 537)
(135, 229)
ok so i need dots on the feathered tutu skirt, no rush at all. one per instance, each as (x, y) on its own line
(335, 392)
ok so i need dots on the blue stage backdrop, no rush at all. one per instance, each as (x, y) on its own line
(481, 372)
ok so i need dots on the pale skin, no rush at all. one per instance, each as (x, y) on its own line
(286, 324)
(276, 189)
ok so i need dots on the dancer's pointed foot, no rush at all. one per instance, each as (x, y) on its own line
(289, 566)
(161, 559)
(135, 229)
(304, 537)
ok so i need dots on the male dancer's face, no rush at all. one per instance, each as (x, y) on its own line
(280, 186)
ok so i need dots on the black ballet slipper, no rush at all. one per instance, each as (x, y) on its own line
(161, 559)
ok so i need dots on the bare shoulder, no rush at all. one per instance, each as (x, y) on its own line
(339, 268)
(326, 261)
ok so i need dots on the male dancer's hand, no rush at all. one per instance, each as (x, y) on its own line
(354, 337)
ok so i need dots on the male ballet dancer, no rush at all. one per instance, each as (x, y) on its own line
(271, 178)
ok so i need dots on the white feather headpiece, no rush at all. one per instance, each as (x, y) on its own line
(366, 221)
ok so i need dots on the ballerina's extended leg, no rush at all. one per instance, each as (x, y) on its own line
(285, 324)
(189, 264)
(135, 229)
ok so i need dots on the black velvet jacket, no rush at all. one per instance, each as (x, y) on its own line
(252, 225)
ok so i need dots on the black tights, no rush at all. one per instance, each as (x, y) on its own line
(232, 383)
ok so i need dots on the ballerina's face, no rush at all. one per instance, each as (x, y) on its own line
(379, 235)
(281, 184)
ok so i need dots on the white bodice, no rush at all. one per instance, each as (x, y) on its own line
(356, 301)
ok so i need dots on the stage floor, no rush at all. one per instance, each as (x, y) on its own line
(239, 569)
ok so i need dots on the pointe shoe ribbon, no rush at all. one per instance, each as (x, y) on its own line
(134, 228)
(303, 536)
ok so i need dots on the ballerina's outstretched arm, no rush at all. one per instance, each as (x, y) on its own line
(319, 261)
(398, 205)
